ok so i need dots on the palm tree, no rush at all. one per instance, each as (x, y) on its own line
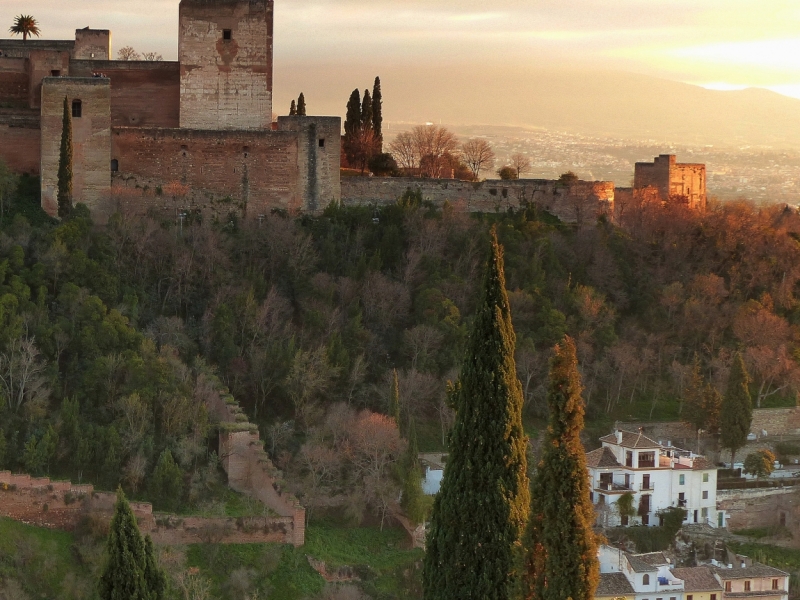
(25, 25)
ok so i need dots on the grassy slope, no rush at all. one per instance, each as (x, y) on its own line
(46, 564)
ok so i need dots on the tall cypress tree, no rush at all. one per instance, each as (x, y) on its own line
(64, 195)
(480, 512)
(736, 414)
(377, 113)
(131, 572)
(394, 399)
(301, 105)
(292, 109)
(561, 550)
(366, 110)
(352, 126)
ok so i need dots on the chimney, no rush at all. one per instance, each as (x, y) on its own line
(619, 436)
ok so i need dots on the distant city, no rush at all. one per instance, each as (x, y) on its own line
(760, 174)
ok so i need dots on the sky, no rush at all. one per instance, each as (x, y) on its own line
(718, 44)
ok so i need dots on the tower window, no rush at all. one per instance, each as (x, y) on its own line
(226, 34)
(321, 142)
(55, 73)
(77, 108)
(114, 165)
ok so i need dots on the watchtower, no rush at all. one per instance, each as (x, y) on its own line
(225, 53)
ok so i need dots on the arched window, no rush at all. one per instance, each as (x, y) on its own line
(645, 579)
(77, 109)
(114, 165)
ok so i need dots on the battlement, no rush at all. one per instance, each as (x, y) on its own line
(672, 181)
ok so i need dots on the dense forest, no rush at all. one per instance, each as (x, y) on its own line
(110, 335)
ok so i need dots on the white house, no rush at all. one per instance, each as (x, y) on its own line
(657, 475)
(650, 575)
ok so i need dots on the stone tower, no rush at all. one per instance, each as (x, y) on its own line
(225, 55)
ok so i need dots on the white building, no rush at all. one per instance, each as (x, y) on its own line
(657, 475)
(650, 575)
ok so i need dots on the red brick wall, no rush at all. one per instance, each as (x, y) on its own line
(19, 148)
(143, 93)
(257, 169)
(14, 88)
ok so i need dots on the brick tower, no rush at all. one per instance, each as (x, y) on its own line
(225, 55)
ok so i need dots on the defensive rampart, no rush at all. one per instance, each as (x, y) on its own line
(63, 505)
(576, 202)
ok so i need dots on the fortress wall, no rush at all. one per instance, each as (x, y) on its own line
(256, 169)
(62, 505)
(226, 83)
(13, 82)
(143, 93)
(689, 181)
(41, 64)
(91, 179)
(92, 44)
(19, 146)
(576, 203)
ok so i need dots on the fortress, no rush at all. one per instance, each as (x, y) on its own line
(200, 128)
(198, 134)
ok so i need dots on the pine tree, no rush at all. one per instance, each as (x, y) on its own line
(292, 109)
(64, 194)
(481, 509)
(366, 110)
(737, 408)
(561, 550)
(301, 105)
(394, 399)
(377, 113)
(131, 572)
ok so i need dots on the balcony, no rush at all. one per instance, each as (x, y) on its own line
(610, 486)
(647, 487)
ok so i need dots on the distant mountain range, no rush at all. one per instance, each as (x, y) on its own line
(595, 103)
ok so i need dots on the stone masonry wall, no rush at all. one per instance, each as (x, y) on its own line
(92, 44)
(63, 505)
(576, 203)
(226, 83)
(249, 469)
(760, 508)
(20, 141)
(143, 93)
(91, 139)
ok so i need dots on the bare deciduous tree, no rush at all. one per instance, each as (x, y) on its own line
(478, 155)
(128, 53)
(22, 375)
(520, 163)
(404, 151)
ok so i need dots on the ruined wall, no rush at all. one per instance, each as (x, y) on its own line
(92, 44)
(756, 508)
(143, 93)
(257, 169)
(91, 138)
(62, 505)
(580, 202)
(249, 469)
(226, 83)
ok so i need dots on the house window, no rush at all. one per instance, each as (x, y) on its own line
(645, 579)
(689, 597)
(705, 477)
(682, 479)
(321, 142)
(647, 459)
(77, 109)
(746, 586)
(226, 34)
(774, 584)
(713, 597)
(114, 165)
(705, 495)
(727, 586)
(704, 513)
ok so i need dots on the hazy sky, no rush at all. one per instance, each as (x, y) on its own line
(715, 43)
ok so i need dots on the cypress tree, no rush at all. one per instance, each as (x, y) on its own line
(166, 483)
(736, 414)
(480, 512)
(366, 111)
(292, 109)
(377, 113)
(352, 124)
(64, 195)
(561, 550)
(301, 105)
(394, 399)
(131, 572)
(693, 412)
